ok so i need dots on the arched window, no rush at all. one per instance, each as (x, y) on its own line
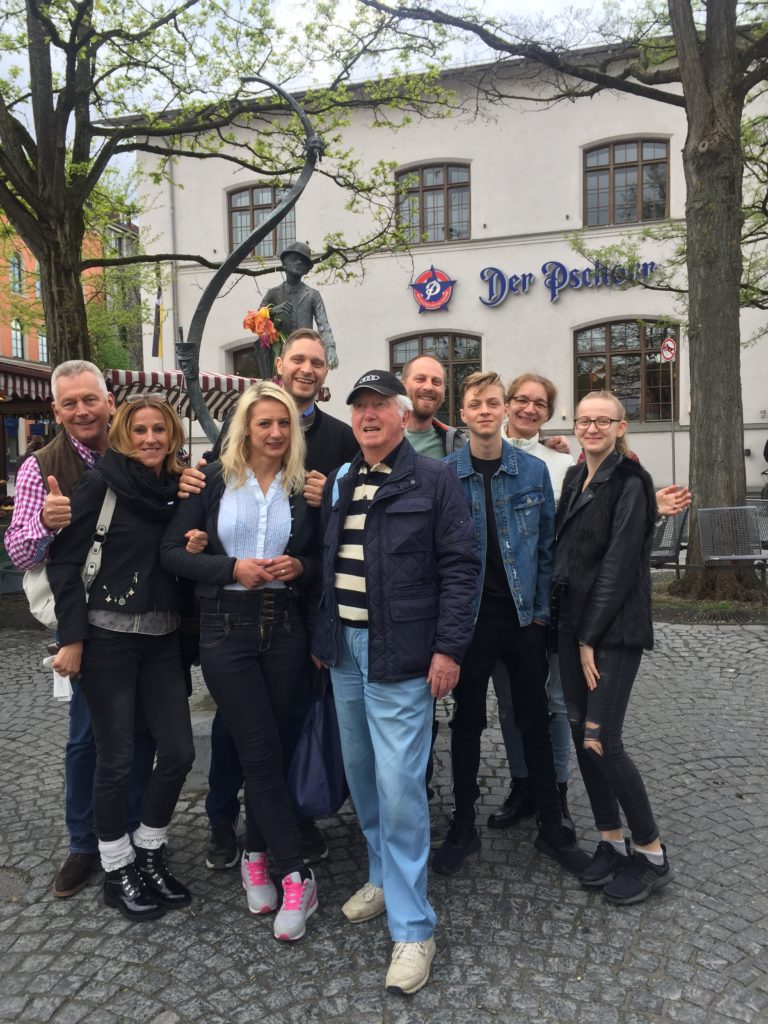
(624, 357)
(17, 340)
(460, 355)
(626, 182)
(248, 207)
(16, 271)
(42, 344)
(433, 203)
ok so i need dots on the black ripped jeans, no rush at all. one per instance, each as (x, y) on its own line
(611, 778)
(255, 661)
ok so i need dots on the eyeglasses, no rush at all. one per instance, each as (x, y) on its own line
(522, 401)
(601, 422)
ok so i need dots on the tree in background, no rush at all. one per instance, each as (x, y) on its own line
(84, 83)
(708, 58)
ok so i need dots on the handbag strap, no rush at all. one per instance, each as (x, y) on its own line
(93, 559)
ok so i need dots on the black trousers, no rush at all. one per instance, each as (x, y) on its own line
(611, 778)
(119, 671)
(498, 636)
(255, 660)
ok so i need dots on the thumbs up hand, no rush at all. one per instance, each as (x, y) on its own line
(56, 512)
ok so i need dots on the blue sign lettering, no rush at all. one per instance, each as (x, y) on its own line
(558, 277)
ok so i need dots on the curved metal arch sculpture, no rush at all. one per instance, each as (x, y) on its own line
(188, 352)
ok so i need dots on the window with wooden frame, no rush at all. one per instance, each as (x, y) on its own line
(433, 202)
(460, 355)
(16, 273)
(624, 357)
(247, 208)
(626, 182)
(17, 339)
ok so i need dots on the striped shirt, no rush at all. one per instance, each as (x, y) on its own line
(350, 558)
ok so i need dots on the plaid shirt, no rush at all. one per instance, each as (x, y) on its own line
(27, 540)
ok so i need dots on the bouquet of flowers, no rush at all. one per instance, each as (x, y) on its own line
(270, 343)
(260, 322)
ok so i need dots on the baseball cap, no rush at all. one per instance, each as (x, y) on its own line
(383, 381)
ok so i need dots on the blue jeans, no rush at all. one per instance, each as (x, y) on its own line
(386, 729)
(559, 729)
(80, 765)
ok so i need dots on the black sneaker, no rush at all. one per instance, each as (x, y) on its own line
(313, 847)
(223, 852)
(606, 863)
(461, 841)
(637, 878)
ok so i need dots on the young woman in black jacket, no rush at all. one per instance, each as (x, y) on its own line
(603, 596)
(123, 644)
(254, 650)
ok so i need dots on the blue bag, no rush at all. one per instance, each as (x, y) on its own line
(316, 778)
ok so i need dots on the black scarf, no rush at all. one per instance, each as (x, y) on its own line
(151, 497)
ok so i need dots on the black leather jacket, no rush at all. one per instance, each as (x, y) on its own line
(604, 537)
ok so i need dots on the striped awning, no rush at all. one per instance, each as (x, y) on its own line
(25, 381)
(220, 391)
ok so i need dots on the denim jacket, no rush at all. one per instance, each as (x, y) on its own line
(525, 520)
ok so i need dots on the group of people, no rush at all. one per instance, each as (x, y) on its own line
(405, 558)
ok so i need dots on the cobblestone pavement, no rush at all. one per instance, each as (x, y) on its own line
(518, 941)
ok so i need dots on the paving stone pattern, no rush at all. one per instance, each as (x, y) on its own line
(518, 941)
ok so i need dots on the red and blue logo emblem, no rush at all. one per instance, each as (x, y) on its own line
(432, 290)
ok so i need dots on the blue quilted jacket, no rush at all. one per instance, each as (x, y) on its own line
(422, 570)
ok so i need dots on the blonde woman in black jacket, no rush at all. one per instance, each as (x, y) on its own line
(254, 652)
(603, 596)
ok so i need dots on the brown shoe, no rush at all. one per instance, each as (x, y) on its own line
(74, 873)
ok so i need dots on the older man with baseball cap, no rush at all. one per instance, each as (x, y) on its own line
(400, 571)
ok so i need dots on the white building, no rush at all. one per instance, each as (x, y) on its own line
(498, 198)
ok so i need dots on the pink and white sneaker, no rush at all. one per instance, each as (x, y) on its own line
(259, 890)
(299, 903)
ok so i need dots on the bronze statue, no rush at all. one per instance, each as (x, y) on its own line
(294, 304)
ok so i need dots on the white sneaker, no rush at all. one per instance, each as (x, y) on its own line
(299, 903)
(410, 966)
(259, 890)
(367, 902)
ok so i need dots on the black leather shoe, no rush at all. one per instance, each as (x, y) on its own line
(126, 890)
(168, 890)
(560, 845)
(517, 806)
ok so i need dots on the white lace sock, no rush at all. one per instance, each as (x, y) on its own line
(116, 853)
(150, 838)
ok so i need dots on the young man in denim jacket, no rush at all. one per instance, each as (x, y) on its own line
(513, 508)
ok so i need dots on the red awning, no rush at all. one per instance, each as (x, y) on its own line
(25, 381)
(220, 391)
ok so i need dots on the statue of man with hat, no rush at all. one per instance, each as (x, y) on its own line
(294, 304)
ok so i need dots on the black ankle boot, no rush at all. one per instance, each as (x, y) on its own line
(126, 890)
(518, 805)
(153, 869)
(567, 819)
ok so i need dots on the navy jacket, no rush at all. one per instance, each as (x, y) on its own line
(422, 571)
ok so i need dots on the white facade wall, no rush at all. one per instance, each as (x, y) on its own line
(526, 197)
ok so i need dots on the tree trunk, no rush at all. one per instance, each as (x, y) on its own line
(62, 294)
(713, 164)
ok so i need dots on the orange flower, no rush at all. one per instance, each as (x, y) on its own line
(260, 323)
